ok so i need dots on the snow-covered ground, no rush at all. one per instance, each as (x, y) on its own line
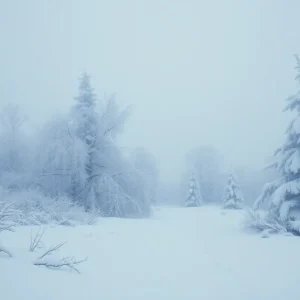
(186, 254)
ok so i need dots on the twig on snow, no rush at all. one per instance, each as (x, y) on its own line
(36, 240)
(69, 262)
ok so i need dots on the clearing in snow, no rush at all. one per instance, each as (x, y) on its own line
(179, 253)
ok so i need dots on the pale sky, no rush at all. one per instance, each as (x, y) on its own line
(196, 72)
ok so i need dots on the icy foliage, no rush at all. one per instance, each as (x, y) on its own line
(34, 208)
(61, 158)
(104, 167)
(112, 119)
(73, 168)
(284, 194)
(268, 190)
(233, 197)
(262, 222)
(111, 182)
(83, 111)
(294, 226)
(194, 197)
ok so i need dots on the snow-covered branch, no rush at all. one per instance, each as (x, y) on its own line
(69, 262)
(7, 215)
(36, 240)
(57, 263)
(268, 190)
(259, 221)
(51, 250)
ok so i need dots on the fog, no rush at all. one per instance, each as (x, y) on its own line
(195, 72)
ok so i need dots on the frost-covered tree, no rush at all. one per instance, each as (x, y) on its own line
(233, 197)
(60, 157)
(109, 186)
(107, 164)
(84, 120)
(78, 156)
(284, 193)
(194, 197)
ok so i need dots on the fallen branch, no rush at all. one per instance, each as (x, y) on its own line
(69, 262)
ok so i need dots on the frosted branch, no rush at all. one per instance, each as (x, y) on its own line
(49, 262)
(36, 240)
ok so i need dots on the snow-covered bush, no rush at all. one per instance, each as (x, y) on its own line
(35, 208)
(260, 221)
(233, 197)
(284, 194)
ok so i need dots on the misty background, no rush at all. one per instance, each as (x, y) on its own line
(195, 72)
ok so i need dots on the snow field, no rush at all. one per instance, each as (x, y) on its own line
(179, 253)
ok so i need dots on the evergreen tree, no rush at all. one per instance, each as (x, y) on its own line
(109, 186)
(233, 197)
(85, 117)
(194, 198)
(284, 194)
(78, 156)
(85, 121)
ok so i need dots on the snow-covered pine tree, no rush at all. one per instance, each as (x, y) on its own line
(85, 124)
(194, 198)
(86, 117)
(109, 178)
(233, 197)
(284, 194)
